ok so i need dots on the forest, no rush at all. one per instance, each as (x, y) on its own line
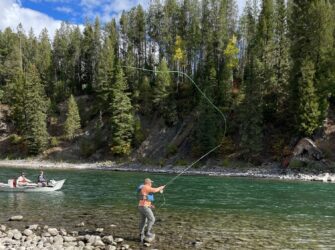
(270, 70)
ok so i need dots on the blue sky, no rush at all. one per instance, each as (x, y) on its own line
(49, 13)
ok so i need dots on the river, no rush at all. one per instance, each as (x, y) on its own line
(222, 213)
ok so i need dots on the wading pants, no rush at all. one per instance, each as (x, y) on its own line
(146, 216)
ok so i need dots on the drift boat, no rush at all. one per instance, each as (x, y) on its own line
(53, 186)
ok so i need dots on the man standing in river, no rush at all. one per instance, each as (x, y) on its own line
(145, 207)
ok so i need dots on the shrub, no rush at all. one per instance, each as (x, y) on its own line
(296, 164)
(15, 139)
(171, 149)
(54, 142)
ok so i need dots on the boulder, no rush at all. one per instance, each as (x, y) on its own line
(99, 230)
(307, 147)
(3, 228)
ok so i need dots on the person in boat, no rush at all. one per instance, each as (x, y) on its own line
(22, 180)
(41, 180)
(145, 207)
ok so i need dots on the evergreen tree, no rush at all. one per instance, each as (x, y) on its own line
(311, 35)
(308, 109)
(281, 64)
(163, 98)
(207, 132)
(252, 109)
(106, 73)
(72, 123)
(122, 118)
(34, 112)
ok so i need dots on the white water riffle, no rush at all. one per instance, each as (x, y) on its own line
(307, 177)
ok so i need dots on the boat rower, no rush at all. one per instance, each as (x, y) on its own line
(41, 180)
(22, 180)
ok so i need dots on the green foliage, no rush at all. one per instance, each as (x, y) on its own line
(122, 118)
(54, 142)
(308, 108)
(171, 150)
(139, 135)
(72, 123)
(297, 164)
(34, 112)
(15, 139)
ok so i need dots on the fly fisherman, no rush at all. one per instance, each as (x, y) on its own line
(145, 207)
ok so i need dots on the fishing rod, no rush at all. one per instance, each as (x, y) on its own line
(208, 100)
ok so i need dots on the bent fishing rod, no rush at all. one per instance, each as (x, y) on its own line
(207, 99)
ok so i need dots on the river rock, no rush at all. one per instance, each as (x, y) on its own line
(146, 244)
(33, 227)
(17, 235)
(99, 230)
(3, 228)
(58, 239)
(27, 232)
(74, 233)
(62, 232)
(69, 238)
(108, 239)
(110, 247)
(112, 225)
(125, 247)
(118, 240)
(46, 234)
(53, 231)
(16, 218)
(81, 224)
(98, 243)
(81, 244)
(150, 239)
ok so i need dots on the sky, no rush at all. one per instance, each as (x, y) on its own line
(38, 14)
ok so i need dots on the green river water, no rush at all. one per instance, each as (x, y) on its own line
(223, 213)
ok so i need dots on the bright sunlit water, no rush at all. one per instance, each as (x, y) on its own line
(223, 213)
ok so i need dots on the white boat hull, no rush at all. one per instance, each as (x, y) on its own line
(6, 188)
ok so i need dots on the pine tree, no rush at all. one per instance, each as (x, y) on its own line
(207, 132)
(281, 64)
(311, 35)
(265, 49)
(34, 112)
(72, 123)
(122, 118)
(252, 108)
(106, 73)
(308, 109)
(163, 98)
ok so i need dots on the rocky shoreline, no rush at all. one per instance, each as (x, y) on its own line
(45, 237)
(267, 171)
